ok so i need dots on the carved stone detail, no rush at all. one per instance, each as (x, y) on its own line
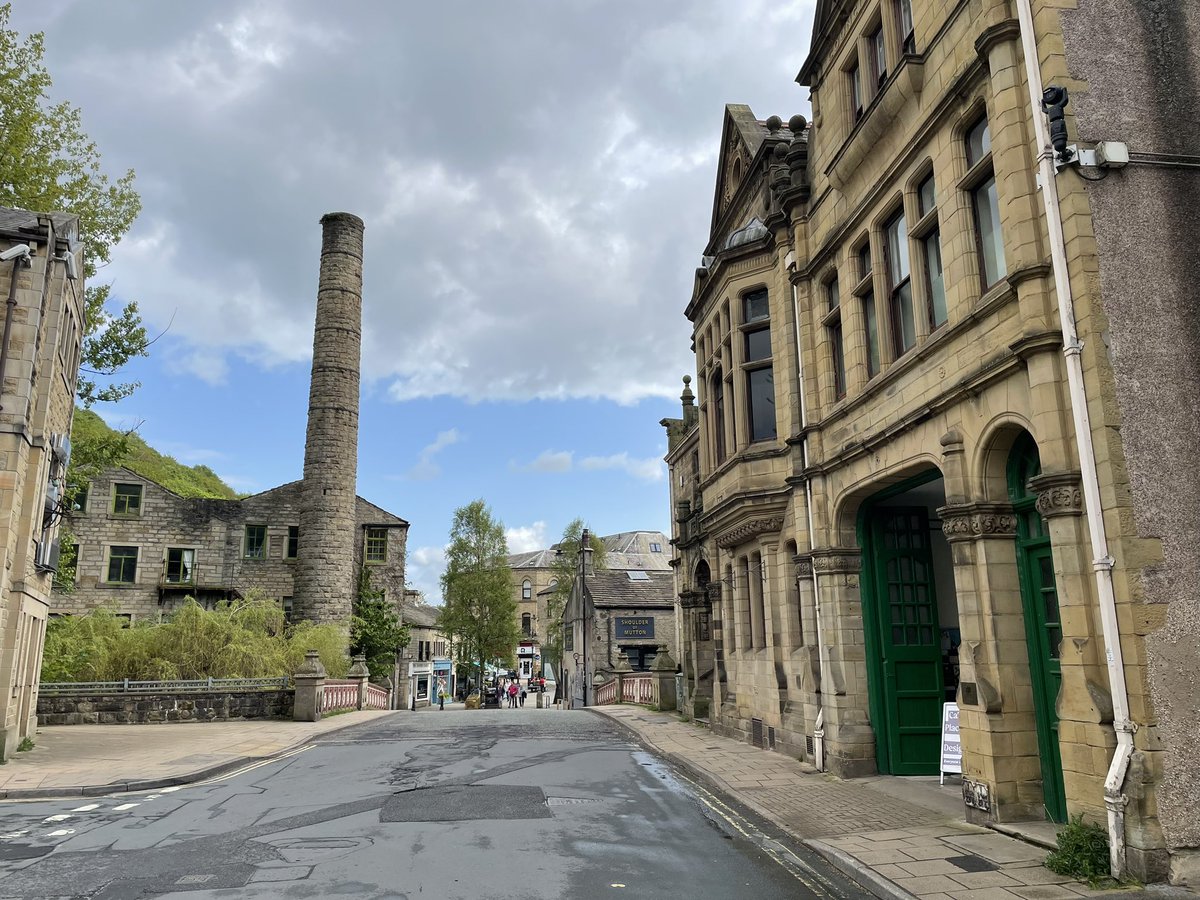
(804, 566)
(833, 560)
(971, 521)
(1058, 495)
(748, 530)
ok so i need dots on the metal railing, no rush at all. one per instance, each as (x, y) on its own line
(193, 686)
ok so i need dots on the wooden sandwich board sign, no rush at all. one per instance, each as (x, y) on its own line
(951, 743)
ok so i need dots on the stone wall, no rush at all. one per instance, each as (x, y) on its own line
(216, 530)
(144, 709)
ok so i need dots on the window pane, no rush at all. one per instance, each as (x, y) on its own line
(856, 93)
(864, 260)
(926, 196)
(758, 344)
(880, 55)
(839, 360)
(756, 306)
(376, 550)
(761, 394)
(256, 541)
(122, 564)
(127, 499)
(718, 388)
(904, 328)
(906, 22)
(933, 279)
(526, 590)
(79, 504)
(979, 142)
(897, 248)
(293, 541)
(831, 293)
(987, 222)
(872, 335)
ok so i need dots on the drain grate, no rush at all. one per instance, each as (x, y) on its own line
(972, 863)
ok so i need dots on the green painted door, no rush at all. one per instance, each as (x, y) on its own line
(909, 640)
(1043, 629)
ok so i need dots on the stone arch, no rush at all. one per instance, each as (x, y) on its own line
(988, 477)
(701, 575)
(849, 502)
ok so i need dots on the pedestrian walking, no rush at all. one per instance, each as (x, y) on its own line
(522, 696)
(512, 695)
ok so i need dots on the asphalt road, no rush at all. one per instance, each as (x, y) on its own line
(502, 803)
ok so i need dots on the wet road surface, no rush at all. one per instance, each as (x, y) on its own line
(459, 804)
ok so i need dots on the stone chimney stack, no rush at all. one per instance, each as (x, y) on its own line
(325, 578)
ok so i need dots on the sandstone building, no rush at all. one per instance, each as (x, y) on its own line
(534, 579)
(142, 549)
(946, 418)
(39, 364)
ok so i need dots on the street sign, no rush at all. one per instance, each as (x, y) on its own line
(628, 627)
(951, 743)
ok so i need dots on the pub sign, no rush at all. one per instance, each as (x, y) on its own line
(633, 627)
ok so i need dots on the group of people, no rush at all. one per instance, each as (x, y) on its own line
(513, 693)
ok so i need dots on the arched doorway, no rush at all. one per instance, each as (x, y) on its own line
(910, 622)
(1043, 628)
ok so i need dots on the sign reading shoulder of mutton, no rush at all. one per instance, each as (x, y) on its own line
(633, 627)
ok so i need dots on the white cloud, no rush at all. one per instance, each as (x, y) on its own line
(526, 538)
(208, 365)
(424, 571)
(549, 461)
(427, 467)
(649, 469)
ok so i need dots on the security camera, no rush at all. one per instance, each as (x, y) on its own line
(14, 251)
(1054, 103)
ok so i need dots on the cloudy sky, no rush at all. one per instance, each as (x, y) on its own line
(536, 180)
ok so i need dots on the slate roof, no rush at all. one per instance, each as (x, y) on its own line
(616, 588)
(537, 559)
(420, 615)
(22, 221)
(624, 550)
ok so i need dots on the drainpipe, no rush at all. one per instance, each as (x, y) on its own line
(819, 726)
(10, 308)
(1102, 561)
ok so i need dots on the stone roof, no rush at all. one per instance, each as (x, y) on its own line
(624, 550)
(616, 588)
(420, 615)
(19, 221)
(537, 559)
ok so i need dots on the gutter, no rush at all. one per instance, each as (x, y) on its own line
(1102, 561)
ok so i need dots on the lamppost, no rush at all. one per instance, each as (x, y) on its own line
(585, 548)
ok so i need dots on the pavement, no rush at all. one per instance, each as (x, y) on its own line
(92, 760)
(900, 838)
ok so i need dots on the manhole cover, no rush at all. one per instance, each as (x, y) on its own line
(195, 879)
(466, 803)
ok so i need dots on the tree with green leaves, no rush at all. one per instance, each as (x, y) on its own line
(565, 572)
(49, 164)
(375, 627)
(479, 611)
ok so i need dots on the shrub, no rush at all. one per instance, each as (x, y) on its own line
(244, 638)
(1082, 852)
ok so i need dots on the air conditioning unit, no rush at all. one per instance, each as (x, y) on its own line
(46, 554)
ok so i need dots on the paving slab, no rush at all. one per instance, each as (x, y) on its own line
(901, 839)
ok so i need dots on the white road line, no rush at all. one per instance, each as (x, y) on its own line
(124, 806)
(61, 832)
(170, 790)
(88, 807)
(257, 765)
(13, 834)
(61, 817)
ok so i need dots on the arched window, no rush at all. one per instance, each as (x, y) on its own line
(526, 590)
(526, 624)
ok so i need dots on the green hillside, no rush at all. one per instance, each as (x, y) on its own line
(188, 481)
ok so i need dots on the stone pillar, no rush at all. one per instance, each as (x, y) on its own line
(387, 685)
(310, 688)
(325, 576)
(360, 673)
(664, 677)
(621, 670)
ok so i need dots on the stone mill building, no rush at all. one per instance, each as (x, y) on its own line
(940, 445)
(143, 549)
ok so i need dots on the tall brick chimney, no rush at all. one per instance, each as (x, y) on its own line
(325, 577)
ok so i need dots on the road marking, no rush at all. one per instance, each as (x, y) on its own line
(13, 834)
(87, 807)
(61, 832)
(124, 806)
(61, 817)
(170, 790)
(257, 765)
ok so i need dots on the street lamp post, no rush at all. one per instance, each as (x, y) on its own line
(585, 547)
